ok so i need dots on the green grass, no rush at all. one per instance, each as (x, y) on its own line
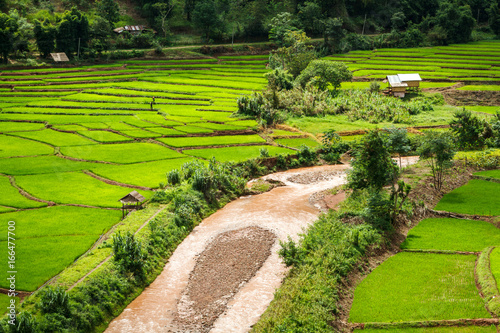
(46, 243)
(139, 133)
(149, 174)
(121, 153)
(41, 164)
(167, 131)
(455, 329)
(5, 302)
(484, 109)
(283, 133)
(495, 265)
(18, 126)
(477, 197)
(74, 188)
(221, 127)
(236, 154)
(212, 140)
(488, 87)
(55, 138)
(105, 136)
(13, 146)
(12, 198)
(295, 143)
(489, 173)
(192, 129)
(419, 287)
(452, 235)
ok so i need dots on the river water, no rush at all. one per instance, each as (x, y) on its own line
(285, 211)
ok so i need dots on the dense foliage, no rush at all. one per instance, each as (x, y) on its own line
(401, 23)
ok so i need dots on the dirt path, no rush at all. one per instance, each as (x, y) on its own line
(284, 212)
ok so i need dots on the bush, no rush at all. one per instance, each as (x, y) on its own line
(279, 79)
(174, 177)
(323, 73)
(54, 300)
(129, 255)
(307, 155)
(468, 130)
(377, 211)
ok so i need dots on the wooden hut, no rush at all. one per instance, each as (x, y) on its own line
(412, 80)
(396, 87)
(131, 201)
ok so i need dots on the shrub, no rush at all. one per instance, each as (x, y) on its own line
(279, 79)
(374, 87)
(307, 155)
(54, 300)
(377, 211)
(323, 73)
(129, 255)
(468, 130)
(174, 177)
(263, 153)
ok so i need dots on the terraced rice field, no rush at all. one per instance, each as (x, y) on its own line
(478, 61)
(435, 277)
(75, 140)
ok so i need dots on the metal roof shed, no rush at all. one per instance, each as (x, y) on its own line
(413, 80)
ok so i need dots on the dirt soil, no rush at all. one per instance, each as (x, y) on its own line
(222, 268)
(466, 97)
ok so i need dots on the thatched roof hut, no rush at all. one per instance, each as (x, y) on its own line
(133, 197)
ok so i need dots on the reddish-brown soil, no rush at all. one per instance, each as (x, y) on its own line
(221, 269)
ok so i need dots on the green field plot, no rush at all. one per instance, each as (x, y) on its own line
(296, 143)
(477, 197)
(236, 154)
(70, 128)
(120, 126)
(105, 136)
(484, 109)
(452, 235)
(69, 111)
(456, 329)
(49, 239)
(139, 133)
(212, 140)
(41, 164)
(166, 131)
(5, 301)
(92, 105)
(139, 123)
(220, 127)
(282, 133)
(12, 198)
(489, 173)
(488, 87)
(14, 146)
(419, 287)
(55, 138)
(148, 174)
(192, 129)
(121, 153)
(495, 264)
(7, 126)
(73, 188)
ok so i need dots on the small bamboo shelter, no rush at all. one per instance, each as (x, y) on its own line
(396, 87)
(131, 201)
(412, 80)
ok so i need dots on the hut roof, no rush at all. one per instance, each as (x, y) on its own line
(133, 196)
(395, 81)
(130, 28)
(409, 77)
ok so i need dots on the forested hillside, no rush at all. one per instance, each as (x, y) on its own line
(32, 27)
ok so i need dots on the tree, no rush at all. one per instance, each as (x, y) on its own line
(24, 32)
(164, 9)
(8, 35)
(494, 17)
(206, 18)
(295, 55)
(468, 129)
(310, 16)
(333, 33)
(397, 141)
(280, 25)
(372, 166)
(457, 21)
(100, 31)
(322, 73)
(45, 34)
(438, 150)
(73, 32)
(109, 10)
(188, 8)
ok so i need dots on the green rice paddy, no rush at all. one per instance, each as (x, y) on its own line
(418, 287)
(477, 197)
(452, 235)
